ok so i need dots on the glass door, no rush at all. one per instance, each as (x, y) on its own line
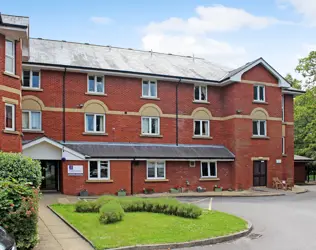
(50, 175)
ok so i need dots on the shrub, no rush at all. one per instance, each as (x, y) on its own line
(92, 206)
(19, 212)
(132, 204)
(188, 211)
(21, 168)
(111, 212)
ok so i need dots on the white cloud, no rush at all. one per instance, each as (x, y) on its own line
(307, 8)
(213, 18)
(101, 20)
(220, 52)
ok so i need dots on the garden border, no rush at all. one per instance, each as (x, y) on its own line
(203, 242)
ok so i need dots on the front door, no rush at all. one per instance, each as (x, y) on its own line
(50, 175)
(259, 173)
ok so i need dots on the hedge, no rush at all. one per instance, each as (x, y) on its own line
(21, 168)
(19, 212)
(111, 212)
(133, 204)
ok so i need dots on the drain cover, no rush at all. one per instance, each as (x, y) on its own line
(254, 236)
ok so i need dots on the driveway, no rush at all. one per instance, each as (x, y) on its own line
(280, 223)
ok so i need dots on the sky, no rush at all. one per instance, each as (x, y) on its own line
(227, 32)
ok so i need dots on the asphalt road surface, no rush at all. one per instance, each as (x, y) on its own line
(280, 223)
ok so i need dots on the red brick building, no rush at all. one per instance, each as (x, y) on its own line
(102, 118)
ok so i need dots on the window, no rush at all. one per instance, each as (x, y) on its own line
(259, 128)
(283, 145)
(96, 84)
(10, 56)
(201, 128)
(149, 88)
(31, 79)
(156, 170)
(9, 117)
(150, 125)
(200, 93)
(259, 93)
(283, 108)
(99, 170)
(31, 120)
(95, 123)
(208, 169)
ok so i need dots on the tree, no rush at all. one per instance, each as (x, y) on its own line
(297, 84)
(307, 67)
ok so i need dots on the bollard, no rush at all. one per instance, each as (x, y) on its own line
(210, 204)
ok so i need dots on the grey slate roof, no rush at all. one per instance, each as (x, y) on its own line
(302, 158)
(150, 151)
(112, 58)
(15, 20)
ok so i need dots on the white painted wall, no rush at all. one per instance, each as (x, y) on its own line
(43, 151)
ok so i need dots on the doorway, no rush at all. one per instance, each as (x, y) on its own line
(259, 173)
(50, 174)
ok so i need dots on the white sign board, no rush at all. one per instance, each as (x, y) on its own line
(75, 170)
(278, 161)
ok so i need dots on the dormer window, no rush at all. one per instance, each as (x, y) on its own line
(10, 56)
(31, 79)
(200, 93)
(259, 93)
(95, 84)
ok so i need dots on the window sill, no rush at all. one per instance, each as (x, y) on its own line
(260, 137)
(201, 102)
(33, 131)
(11, 132)
(202, 137)
(284, 155)
(156, 180)
(209, 179)
(11, 75)
(259, 102)
(91, 133)
(32, 89)
(98, 94)
(99, 181)
(153, 136)
(150, 98)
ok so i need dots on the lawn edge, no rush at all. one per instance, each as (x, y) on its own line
(203, 242)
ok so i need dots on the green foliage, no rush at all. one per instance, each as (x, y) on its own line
(19, 212)
(307, 67)
(111, 212)
(305, 123)
(21, 168)
(168, 206)
(295, 83)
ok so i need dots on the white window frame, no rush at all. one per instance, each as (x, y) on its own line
(95, 84)
(99, 171)
(12, 57)
(283, 109)
(201, 122)
(13, 116)
(283, 145)
(258, 128)
(200, 93)
(31, 79)
(149, 88)
(156, 170)
(209, 169)
(257, 89)
(94, 123)
(150, 122)
(30, 120)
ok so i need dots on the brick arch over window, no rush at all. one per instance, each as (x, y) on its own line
(202, 114)
(259, 114)
(150, 110)
(95, 106)
(30, 102)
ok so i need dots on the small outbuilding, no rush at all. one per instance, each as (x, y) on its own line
(301, 169)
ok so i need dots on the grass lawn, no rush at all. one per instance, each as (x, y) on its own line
(150, 228)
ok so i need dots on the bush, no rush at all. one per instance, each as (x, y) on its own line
(21, 168)
(188, 211)
(111, 212)
(132, 204)
(92, 206)
(19, 212)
